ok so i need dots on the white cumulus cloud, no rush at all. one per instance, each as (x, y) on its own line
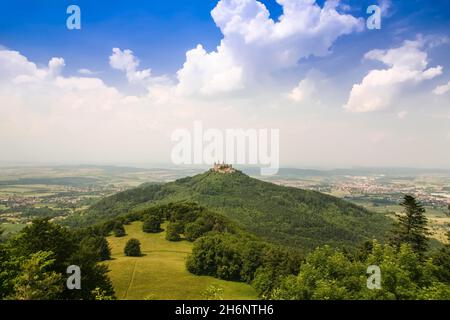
(82, 119)
(304, 91)
(85, 72)
(407, 65)
(254, 45)
(18, 69)
(55, 65)
(208, 73)
(440, 90)
(125, 60)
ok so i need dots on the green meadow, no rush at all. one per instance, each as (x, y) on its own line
(11, 228)
(160, 274)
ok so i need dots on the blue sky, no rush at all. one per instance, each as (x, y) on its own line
(161, 33)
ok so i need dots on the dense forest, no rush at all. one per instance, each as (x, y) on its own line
(283, 215)
(33, 264)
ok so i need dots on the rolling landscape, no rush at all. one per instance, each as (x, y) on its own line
(259, 152)
(278, 225)
(284, 215)
(61, 191)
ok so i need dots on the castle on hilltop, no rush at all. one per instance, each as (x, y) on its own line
(223, 168)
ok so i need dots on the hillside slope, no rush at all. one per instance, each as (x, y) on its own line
(161, 272)
(284, 215)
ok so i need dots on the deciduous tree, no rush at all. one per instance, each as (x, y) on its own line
(133, 248)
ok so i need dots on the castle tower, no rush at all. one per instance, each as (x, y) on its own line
(223, 167)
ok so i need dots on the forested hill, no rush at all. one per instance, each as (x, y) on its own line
(284, 215)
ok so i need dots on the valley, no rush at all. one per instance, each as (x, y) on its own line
(233, 235)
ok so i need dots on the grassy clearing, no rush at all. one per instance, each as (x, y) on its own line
(161, 273)
(12, 227)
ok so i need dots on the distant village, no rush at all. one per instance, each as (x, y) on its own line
(374, 187)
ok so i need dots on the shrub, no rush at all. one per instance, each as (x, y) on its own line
(133, 248)
(152, 224)
(213, 293)
(193, 231)
(119, 230)
(178, 227)
(171, 233)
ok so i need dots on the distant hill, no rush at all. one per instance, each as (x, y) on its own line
(62, 181)
(284, 215)
(294, 173)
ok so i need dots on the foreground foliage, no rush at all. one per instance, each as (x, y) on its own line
(33, 265)
(330, 274)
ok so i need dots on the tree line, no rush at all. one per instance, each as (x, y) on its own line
(408, 269)
(33, 263)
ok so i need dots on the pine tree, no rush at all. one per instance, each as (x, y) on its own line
(411, 227)
(98, 246)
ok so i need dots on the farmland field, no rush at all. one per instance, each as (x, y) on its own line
(10, 228)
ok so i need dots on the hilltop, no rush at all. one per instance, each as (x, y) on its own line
(282, 215)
